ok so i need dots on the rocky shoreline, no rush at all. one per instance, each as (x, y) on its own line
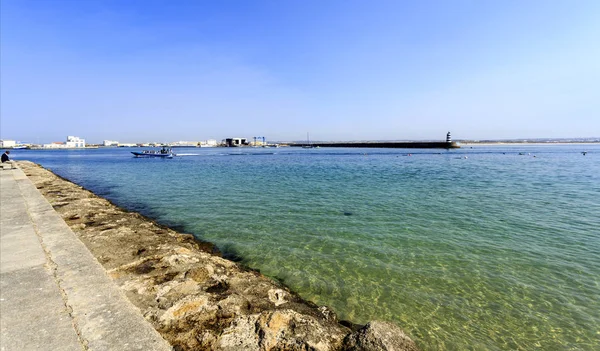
(196, 299)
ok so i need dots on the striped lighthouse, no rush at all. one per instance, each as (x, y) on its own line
(448, 138)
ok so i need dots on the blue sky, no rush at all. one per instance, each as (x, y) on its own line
(148, 70)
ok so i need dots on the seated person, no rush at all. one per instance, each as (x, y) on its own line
(6, 159)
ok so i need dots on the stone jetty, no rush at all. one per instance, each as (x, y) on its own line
(194, 298)
(386, 144)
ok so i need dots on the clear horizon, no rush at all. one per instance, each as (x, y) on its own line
(341, 70)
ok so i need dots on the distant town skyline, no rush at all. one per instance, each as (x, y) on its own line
(142, 71)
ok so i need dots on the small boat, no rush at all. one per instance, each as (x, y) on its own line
(163, 153)
(308, 145)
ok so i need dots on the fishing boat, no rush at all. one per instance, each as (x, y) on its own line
(163, 153)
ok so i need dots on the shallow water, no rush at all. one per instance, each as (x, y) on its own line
(494, 251)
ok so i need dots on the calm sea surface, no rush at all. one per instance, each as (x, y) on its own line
(473, 249)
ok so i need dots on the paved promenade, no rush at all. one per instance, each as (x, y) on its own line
(54, 295)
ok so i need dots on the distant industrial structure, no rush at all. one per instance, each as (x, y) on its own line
(232, 142)
(259, 141)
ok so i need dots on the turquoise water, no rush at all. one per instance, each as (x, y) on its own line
(495, 251)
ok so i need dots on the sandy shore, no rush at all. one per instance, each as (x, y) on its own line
(196, 299)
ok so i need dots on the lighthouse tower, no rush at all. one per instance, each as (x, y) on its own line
(448, 138)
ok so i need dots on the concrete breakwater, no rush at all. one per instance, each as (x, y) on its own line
(388, 144)
(196, 299)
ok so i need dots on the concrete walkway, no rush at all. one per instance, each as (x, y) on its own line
(54, 295)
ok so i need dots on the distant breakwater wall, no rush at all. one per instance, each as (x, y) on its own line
(391, 145)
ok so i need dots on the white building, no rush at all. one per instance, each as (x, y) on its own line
(8, 143)
(75, 142)
(184, 143)
(208, 143)
(56, 145)
(110, 143)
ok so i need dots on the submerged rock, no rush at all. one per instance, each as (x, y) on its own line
(379, 336)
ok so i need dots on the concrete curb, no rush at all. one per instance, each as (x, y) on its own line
(101, 315)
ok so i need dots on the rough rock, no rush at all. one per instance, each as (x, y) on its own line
(379, 336)
(196, 299)
(278, 330)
